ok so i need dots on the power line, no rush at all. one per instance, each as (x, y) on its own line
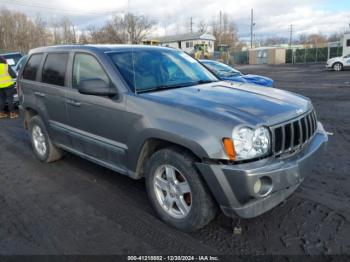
(57, 9)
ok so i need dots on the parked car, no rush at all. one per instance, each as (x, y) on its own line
(200, 143)
(228, 73)
(339, 63)
(20, 63)
(12, 60)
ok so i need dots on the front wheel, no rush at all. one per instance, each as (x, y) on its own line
(337, 67)
(177, 192)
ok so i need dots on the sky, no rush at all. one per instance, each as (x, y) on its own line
(271, 17)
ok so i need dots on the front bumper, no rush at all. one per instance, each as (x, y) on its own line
(233, 185)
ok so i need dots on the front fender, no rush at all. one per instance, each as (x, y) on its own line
(137, 143)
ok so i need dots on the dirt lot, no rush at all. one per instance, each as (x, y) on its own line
(76, 207)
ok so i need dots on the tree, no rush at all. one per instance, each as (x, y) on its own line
(202, 27)
(226, 33)
(313, 40)
(83, 39)
(137, 27)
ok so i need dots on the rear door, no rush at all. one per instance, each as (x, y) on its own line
(51, 93)
(96, 123)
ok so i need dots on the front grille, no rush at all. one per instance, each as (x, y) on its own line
(289, 137)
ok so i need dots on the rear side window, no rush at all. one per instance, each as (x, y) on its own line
(87, 67)
(31, 68)
(54, 70)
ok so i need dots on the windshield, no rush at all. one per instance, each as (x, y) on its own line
(221, 69)
(156, 69)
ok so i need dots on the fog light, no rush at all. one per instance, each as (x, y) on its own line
(262, 186)
(257, 186)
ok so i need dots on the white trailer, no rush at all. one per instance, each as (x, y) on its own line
(346, 44)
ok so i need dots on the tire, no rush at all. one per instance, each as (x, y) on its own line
(337, 66)
(201, 208)
(39, 135)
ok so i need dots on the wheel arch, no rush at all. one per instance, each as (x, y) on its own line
(337, 62)
(152, 145)
(29, 113)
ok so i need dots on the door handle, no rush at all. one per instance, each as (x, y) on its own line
(73, 102)
(39, 94)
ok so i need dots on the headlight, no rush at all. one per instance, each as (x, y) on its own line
(251, 143)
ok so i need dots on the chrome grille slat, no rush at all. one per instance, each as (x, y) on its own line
(312, 122)
(309, 121)
(292, 135)
(273, 142)
(283, 138)
(301, 135)
(307, 128)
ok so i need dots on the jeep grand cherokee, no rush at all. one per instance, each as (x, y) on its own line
(157, 113)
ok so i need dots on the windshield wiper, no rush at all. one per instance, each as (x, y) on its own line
(166, 87)
(206, 81)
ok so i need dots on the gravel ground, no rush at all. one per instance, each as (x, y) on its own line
(75, 207)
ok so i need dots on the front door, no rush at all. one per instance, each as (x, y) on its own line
(96, 122)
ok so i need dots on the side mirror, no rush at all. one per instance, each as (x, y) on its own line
(97, 87)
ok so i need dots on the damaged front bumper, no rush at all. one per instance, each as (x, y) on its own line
(233, 185)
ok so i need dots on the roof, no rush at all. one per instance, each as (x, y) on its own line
(12, 53)
(183, 37)
(92, 48)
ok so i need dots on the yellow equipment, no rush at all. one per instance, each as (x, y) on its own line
(150, 42)
(201, 51)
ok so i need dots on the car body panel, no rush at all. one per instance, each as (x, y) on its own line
(251, 79)
(112, 131)
(214, 66)
(344, 60)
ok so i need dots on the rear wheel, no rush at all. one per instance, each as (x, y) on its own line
(177, 192)
(43, 148)
(338, 67)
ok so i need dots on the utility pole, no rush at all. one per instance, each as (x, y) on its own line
(252, 24)
(191, 26)
(290, 36)
(220, 31)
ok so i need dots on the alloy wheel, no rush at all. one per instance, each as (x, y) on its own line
(172, 191)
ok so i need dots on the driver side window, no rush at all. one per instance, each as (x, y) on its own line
(86, 67)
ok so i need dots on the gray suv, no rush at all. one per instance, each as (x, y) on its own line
(157, 113)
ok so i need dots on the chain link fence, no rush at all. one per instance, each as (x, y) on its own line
(295, 56)
(231, 58)
(311, 55)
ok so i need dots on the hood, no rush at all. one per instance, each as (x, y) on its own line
(252, 79)
(333, 59)
(241, 102)
(259, 80)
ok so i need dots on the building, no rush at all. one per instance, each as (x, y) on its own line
(267, 55)
(190, 42)
(346, 44)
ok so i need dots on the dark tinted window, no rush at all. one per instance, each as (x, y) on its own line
(54, 70)
(87, 67)
(31, 68)
(348, 42)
